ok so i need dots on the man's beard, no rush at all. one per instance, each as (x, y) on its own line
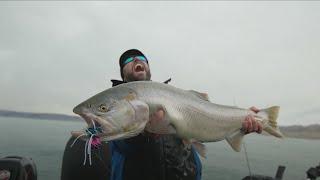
(130, 77)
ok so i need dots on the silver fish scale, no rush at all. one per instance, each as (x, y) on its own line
(189, 114)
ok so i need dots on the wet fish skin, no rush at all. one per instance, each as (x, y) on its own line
(188, 114)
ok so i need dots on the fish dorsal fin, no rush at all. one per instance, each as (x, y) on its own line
(203, 96)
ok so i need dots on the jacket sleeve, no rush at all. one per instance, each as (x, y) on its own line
(198, 164)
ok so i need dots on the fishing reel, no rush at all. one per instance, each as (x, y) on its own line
(17, 168)
(278, 176)
(313, 172)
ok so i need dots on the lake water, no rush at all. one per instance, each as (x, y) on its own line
(44, 141)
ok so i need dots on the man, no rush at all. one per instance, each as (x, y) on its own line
(150, 157)
(146, 156)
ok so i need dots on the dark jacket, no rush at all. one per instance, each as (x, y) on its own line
(73, 158)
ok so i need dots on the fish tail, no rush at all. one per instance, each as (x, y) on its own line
(270, 125)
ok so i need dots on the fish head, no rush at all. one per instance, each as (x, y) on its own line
(110, 118)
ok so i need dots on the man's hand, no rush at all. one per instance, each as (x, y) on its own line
(250, 125)
(157, 116)
(155, 122)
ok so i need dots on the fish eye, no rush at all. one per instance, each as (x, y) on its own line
(103, 108)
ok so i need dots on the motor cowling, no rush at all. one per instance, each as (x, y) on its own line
(17, 168)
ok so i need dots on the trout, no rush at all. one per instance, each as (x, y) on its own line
(123, 111)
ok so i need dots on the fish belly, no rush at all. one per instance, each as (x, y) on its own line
(209, 126)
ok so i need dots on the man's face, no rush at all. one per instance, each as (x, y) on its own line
(136, 70)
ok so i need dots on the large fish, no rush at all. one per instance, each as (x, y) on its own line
(123, 111)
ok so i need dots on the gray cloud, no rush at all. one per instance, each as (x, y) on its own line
(53, 55)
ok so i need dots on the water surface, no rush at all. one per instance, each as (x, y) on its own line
(44, 141)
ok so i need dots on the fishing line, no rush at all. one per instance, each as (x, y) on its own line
(247, 159)
(89, 148)
(77, 139)
(88, 145)
(85, 152)
(94, 125)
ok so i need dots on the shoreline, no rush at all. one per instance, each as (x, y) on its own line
(310, 132)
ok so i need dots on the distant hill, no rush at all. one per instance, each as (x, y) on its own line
(294, 131)
(298, 131)
(51, 116)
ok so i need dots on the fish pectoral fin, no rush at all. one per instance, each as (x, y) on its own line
(141, 110)
(235, 140)
(159, 125)
(198, 146)
(203, 96)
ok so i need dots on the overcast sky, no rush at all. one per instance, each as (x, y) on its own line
(54, 55)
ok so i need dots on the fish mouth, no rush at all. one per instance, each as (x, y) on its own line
(90, 120)
(96, 126)
(105, 129)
